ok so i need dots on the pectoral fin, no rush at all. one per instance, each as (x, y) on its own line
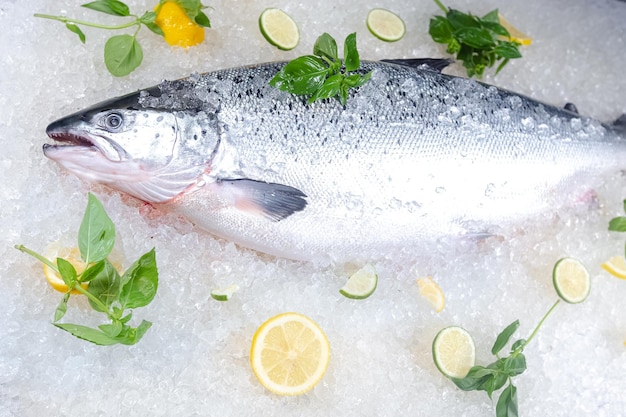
(274, 201)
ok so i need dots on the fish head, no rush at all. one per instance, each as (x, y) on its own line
(151, 153)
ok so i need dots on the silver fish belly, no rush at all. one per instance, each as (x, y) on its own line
(414, 155)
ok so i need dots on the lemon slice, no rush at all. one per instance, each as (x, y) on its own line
(516, 35)
(72, 255)
(361, 284)
(571, 280)
(385, 25)
(454, 352)
(224, 294)
(279, 29)
(431, 292)
(616, 266)
(290, 354)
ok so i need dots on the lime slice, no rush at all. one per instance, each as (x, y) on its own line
(224, 294)
(616, 266)
(290, 354)
(385, 25)
(432, 292)
(571, 280)
(361, 284)
(454, 352)
(279, 29)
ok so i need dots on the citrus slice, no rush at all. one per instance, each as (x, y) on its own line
(571, 280)
(290, 354)
(361, 284)
(279, 29)
(431, 292)
(516, 35)
(454, 352)
(178, 29)
(385, 25)
(224, 294)
(72, 255)
(616, 266)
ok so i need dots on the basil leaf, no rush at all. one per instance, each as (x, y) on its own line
(475, 37)
(67, 272)
(476, 377)
(148, 20)
(130, 336)
(507, 403)
(518, 344)
(122, 54)
(326, 46)
(497, 28)
(351, 54)
(301, 76)
(493, 383)
(504, 336)
(113, 7)
(357, 80)
(87, 333)
(203, 20)
(507, 50)
(96, 235)
(440, 29)
(105, 286)
(460, 20)
(139, 283)
(92, 272)
(61, 308)
(113, 329)
(73, 28)
(491, 17)
(515, 364)
(618, 224)
(330, 88)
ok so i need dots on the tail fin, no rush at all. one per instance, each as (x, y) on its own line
(620, 124)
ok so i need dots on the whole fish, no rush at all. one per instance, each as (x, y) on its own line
(414, 155)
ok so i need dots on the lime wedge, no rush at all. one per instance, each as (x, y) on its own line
(224, 294)
(454, 352)
(279, 29)
(361, 284)
(571, 280)
(385, 25)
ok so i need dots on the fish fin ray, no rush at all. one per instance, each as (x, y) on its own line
(436, 64)
(274, 201)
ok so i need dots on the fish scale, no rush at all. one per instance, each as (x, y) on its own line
(413, 156)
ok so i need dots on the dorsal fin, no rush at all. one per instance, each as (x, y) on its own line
(620, 123)
(436, 64)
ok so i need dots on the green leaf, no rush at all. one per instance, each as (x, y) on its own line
(507, 403)
(440, 29)
(515, 364)
(301, 76)
(496, 28)
(148, 20)
(105, 286)
(122, 54)
(326, 46)
(459, 20)
(92, 272)
(139, 283)
(96, 235)
(351, 58)
(475, 37)
(519, 344)
(130, 336)
(624, 205)
(493, 383)
(61, 308)
(126, 318)
(73, 28)
(475, 378)
(618, 224)
(203, 20)
(504, 336)
(87, 333)
(492, 17)
(507, 50)
(113, 7)
(330, 88)
(67, 272)
(113, 329)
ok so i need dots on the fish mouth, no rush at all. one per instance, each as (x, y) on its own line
(74, 142)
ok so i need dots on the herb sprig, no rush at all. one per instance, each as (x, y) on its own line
(618, 224)
(323, 75)
(123, 53)
(494, 376)
(108, 292)
(479, 42)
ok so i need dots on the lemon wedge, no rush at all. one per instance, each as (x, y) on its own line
(616, 266)
(516, 34)
(72, 255)
(289, 354)
(431, 292)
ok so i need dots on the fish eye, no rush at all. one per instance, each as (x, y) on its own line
(112, 121)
